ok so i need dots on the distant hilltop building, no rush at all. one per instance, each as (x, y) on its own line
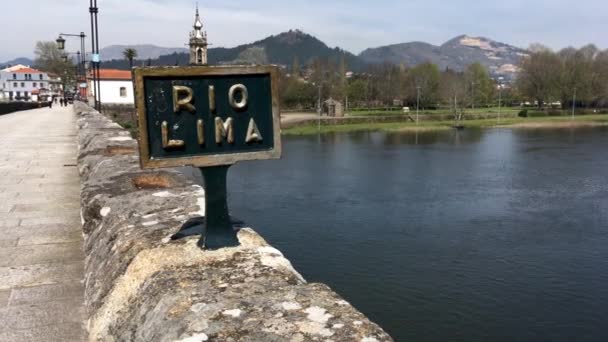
(198, 42)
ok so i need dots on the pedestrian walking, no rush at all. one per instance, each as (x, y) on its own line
(51, 104)
(61, 102)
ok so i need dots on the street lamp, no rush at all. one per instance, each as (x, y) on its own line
(81, 70)
(60, 43)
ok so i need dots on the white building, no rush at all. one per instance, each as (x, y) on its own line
(23, 83)
(116, 87)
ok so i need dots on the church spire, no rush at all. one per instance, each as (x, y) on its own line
(198, 42)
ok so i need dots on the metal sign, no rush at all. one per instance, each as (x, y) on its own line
(207, 116)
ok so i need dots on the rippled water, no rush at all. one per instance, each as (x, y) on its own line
(494, 235)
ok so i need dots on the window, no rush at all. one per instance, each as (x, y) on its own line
(15, 84)
(22, 84)
(14, 76)
(41, 78)
(123, 92)
(41, 85)
(35, 84)
(199, 56)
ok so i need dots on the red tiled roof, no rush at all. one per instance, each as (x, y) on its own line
(27, 71)
(114, 74)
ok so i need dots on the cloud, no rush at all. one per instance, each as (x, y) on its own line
(351, 24)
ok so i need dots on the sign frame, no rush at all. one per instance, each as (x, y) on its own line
(147, 162)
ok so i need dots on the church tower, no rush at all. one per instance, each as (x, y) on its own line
(198, 42)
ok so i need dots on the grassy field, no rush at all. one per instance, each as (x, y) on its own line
(442, 111)
(533, 122)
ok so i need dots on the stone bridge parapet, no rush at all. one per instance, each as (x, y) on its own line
(141, 286)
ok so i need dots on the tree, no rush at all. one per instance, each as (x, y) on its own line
(51, 60)
(600, 68)
(539, 77)
(425, 77)
(480, 85)
(357, 91)
(299, 94)
(130, 54)
(453, 90)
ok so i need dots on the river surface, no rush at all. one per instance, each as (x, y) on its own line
(495, 235)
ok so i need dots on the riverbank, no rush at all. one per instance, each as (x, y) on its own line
(425, 126)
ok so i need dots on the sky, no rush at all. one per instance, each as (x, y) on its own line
(353, 25)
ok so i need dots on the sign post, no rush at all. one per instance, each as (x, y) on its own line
(210, 118)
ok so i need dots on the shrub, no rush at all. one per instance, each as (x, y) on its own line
(523, 113)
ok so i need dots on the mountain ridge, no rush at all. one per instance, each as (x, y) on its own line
(456, 54)
(286, 47)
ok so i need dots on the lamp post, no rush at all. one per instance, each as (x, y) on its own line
(81, 53)
(95, 58)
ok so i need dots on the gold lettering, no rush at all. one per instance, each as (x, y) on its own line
(168, 143)
(242, 104)
(200, 131)
(183, 103)
(212, 99)
(253, 133)
(224, 131)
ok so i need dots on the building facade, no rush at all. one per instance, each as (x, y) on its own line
(198, 42)
(22, 83)
(116, 87)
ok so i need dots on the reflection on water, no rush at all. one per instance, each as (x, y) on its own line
(475, 235)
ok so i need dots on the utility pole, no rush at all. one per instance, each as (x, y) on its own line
(499, 101)
(573, 102)
(319, 109)
(473, 97)
(417, 103)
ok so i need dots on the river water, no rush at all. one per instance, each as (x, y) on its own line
(495, 235)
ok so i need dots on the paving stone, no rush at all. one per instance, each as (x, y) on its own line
(50, 220)
(63, 214)
(65, 332)
(4, 296)
(4, 243)
(40, 254)
(9, 222)
(67, 206)
(42, 314)
(47, 293)
(44, 238)
(41, 274)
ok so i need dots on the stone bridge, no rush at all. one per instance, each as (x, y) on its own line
(85, 250)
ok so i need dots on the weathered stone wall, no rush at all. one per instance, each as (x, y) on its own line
(141, 286)
(10, 107)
